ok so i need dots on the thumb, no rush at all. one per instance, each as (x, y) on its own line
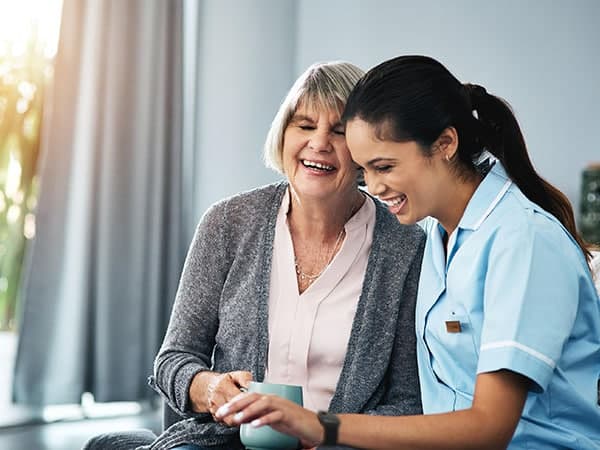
(241, 377)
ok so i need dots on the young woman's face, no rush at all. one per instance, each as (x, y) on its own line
(316, 160)
(398, 173)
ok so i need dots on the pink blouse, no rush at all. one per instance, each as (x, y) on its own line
(309, 332)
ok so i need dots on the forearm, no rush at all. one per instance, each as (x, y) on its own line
(467, 429)
(489, 424)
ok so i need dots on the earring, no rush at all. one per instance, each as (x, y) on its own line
(447, 157)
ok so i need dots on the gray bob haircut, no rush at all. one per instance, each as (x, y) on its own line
(324, 85)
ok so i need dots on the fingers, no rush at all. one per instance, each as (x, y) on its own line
(283, 415)
(236, 404)
(259, 409)
(242, 378)
(267, 419)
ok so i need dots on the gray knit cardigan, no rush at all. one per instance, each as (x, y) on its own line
(220, 317)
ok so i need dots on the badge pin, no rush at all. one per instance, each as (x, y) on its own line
(453, 326)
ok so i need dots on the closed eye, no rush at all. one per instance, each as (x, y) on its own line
(383, 169)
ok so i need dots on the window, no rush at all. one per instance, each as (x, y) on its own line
(28, 41)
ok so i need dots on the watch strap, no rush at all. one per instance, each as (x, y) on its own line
(330, 423)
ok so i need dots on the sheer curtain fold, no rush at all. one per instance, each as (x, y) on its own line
(103, 269)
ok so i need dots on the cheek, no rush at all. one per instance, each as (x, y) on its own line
(341, 147)
(344, 156)
(349, 167)
(288, 155)
(291, 142)
(287, 143)
(421, 195)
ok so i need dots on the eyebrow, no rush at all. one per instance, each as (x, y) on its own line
(374, 161)
(300, 117)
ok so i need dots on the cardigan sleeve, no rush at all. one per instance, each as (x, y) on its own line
(190, 338)
(402, 394)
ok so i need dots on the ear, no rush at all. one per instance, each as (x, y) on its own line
(447, 143)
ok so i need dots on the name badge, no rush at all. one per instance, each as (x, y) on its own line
(453, 326)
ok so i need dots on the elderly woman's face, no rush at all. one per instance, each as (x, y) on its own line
(316, 159)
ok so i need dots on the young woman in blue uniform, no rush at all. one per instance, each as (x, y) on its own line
(508, 319)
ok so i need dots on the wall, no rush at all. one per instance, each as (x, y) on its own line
(542, 56)
(245, 52)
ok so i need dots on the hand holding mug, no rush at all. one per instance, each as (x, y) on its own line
(211, 390)
(262, 414)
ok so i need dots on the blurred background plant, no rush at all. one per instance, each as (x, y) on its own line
(28, 39)
(590, 204)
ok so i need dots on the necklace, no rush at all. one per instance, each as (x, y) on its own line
(309, 277)
(306, 279)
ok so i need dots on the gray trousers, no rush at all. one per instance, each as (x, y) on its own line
(128, 440)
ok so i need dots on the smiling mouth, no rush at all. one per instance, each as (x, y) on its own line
(396, 204)
(317, 166)
(396, 200)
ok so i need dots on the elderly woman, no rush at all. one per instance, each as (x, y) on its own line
(308, 281)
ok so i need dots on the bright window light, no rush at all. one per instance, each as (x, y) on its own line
(22, 21)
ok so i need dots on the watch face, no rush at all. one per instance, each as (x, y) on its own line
(330, 419)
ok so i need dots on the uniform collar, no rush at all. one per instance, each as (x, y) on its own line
(485, 198)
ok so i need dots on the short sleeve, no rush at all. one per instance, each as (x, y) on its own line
(530, 300)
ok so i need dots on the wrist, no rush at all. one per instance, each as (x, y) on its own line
(199, 392)
(320, 435)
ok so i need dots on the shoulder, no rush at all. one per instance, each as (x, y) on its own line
(517, 218)
(259, 196)
(519, 226)
(239, 220)
(246, 206)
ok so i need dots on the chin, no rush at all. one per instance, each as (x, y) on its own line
(400, 218)
(405, 220)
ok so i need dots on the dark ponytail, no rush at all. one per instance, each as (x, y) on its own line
(502, 137)
(415, 98)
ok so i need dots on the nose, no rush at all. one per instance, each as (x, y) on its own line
(374, 184)
(320, 141)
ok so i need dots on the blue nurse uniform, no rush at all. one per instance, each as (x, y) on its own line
(512, 292)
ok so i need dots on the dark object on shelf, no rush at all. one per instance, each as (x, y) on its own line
(590, 204)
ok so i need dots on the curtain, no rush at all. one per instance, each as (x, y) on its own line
(111, 235)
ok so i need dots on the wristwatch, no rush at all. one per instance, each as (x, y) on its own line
(330, 423)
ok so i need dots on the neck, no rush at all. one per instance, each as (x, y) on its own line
(455, 202)
(317, 231)
(318, 217)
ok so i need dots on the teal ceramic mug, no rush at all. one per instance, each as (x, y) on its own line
(265, 437)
